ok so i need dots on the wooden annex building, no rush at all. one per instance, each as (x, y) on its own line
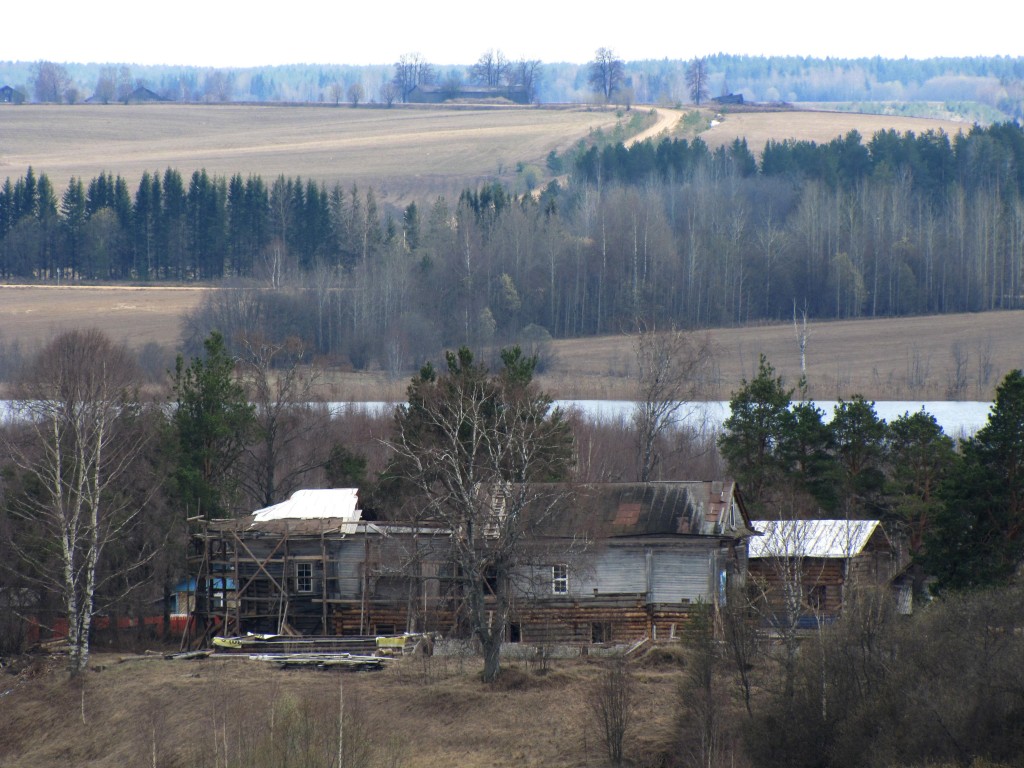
(615, 563)
(801, 570)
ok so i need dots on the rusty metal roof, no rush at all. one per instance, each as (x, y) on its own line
(695, 508)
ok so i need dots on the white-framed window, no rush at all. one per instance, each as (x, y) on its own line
(560, 579)
(303, 577)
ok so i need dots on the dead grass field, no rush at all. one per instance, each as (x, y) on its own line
(31, 315)
(758, 127)
(401, 152)
(189, 712)
(883, 359)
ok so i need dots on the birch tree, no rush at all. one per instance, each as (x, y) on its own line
(673, 370)
(75, 438)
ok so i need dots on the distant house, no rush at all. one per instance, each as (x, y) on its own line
(729, 98)
(142, 95)
(9, 95)
(814, 563)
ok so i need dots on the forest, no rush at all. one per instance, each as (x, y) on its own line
(895, 224)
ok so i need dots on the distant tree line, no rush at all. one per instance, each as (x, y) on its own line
(980, 88)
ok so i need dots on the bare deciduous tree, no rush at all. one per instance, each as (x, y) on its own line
(50, 82)
(605, 73)
(336, 90)
(697, 80)
(355, 94)
(473, 447)
(673, 370)
(611, 703)
(491, 69)
(290, 425)
(411, 70)
(76, 438)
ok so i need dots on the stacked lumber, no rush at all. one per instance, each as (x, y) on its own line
(322, 660)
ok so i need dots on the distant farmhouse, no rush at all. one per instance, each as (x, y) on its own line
(142, 95)
(437, 94)
(729, 98)
(10, 95)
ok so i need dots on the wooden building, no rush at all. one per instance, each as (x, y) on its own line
(9, 95)
(632, 561)
(615, 563)
(800, 570)
(311, 565)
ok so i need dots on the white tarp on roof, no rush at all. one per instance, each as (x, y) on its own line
(312, 504)
(810, 538)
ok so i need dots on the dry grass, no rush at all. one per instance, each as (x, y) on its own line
(418, 720)
(32, 315)
(884, 359)
(402, 152)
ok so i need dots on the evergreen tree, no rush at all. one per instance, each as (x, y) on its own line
(211, 423)
(978, 536)
(755, 433)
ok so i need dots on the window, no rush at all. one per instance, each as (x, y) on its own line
(560, 579)
(303, 577)
(816, 598)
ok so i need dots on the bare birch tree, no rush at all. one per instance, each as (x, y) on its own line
(75, 438)
(673, 371)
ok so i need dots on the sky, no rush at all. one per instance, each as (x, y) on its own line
(230, 33)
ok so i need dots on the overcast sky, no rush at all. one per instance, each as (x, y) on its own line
(231, 33)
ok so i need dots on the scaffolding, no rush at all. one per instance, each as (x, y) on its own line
(321, 576)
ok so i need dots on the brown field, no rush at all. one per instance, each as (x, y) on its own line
(400, 152)
(758, 127)
(221, 712)
(31, 315)
(891, 359)
(882, 359)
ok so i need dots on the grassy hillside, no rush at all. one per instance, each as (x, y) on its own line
(237, 712)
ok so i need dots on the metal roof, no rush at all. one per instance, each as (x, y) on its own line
(811, 538)
(691, 508)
